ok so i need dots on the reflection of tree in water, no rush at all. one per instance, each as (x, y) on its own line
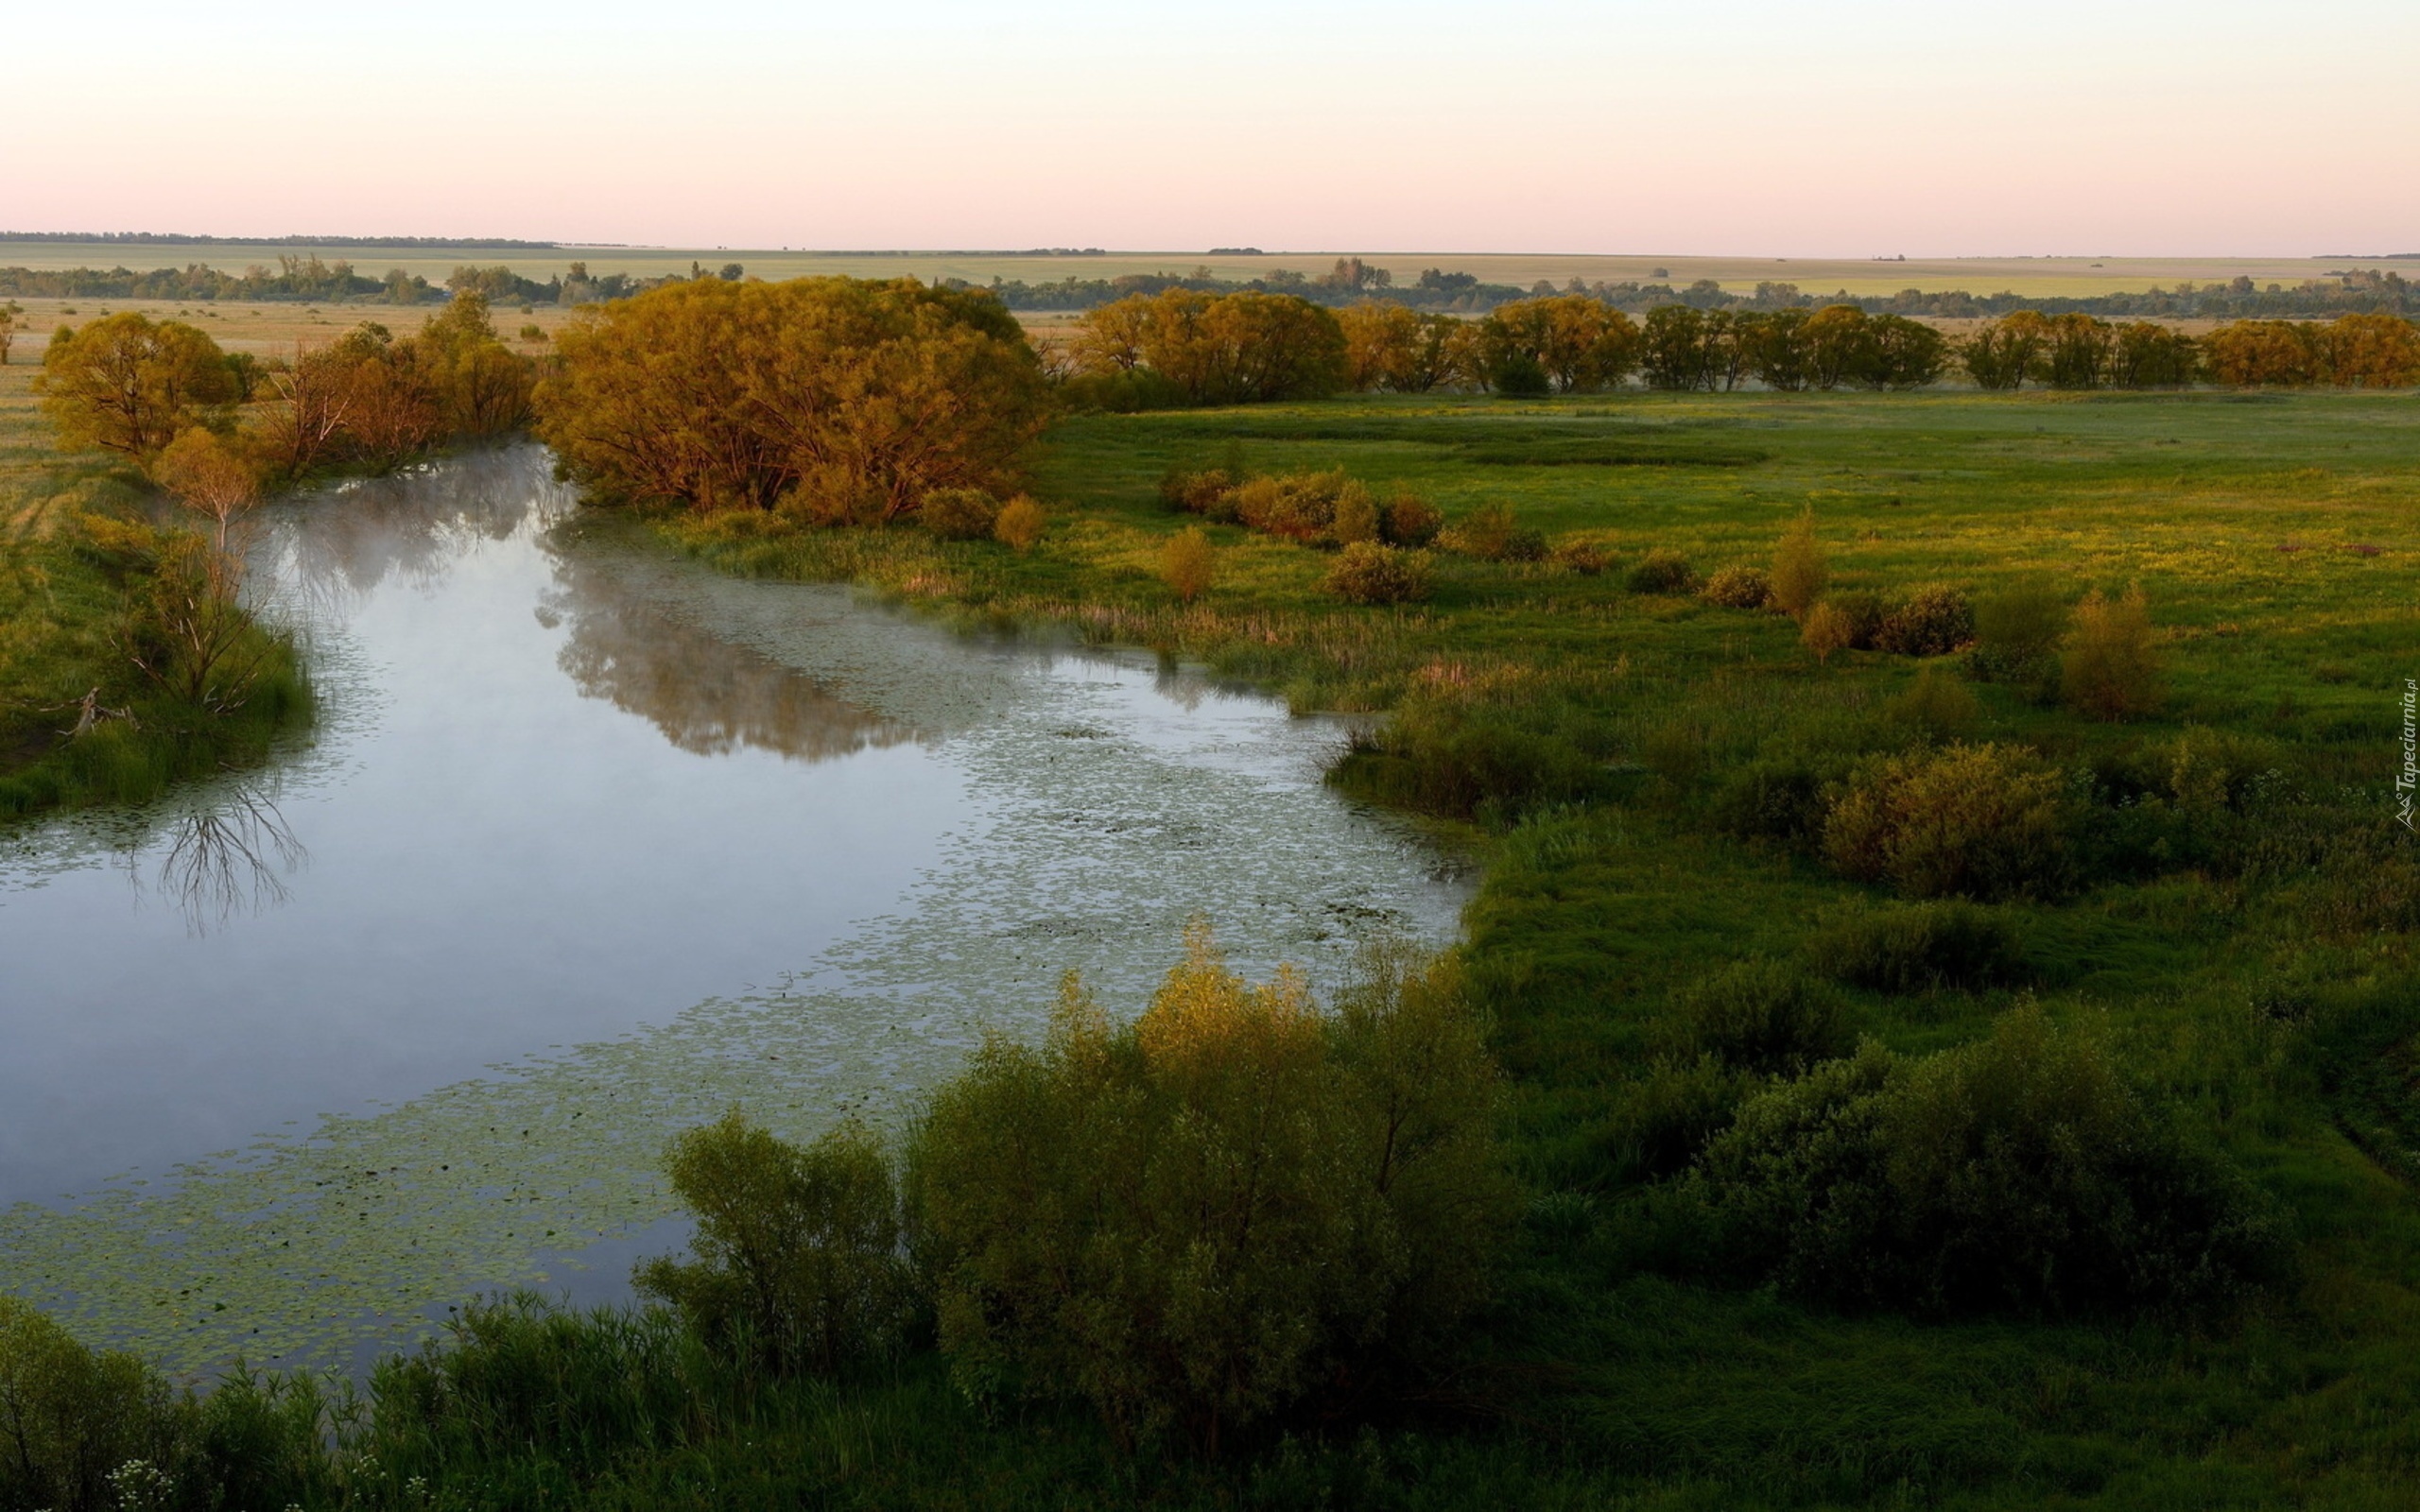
(411, 526)
(229, 857)
(707, 695)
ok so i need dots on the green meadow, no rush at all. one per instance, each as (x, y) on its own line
(2248, 961)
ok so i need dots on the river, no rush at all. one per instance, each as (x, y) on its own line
(590, 844)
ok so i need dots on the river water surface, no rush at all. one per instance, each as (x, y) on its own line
(591, 844)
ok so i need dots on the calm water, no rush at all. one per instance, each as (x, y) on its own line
(591, 844)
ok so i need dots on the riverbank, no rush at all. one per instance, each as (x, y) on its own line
(66, 597)
(1645, 762)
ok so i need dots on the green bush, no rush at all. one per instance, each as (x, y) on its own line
(1491, 533)
(1583, 558)
(1782, 797)
(1411, 521)
(1662, 570)
(1936, 705)
(1367, 573)
(1520, 376)
(69, 1416)
(1357, 518)
(1986, 821)
(1862, 611)
(1910, 947)
(2106, 665)
(1762, 1016)
(1934, 620)
(1194, 492)
(1663, 1121)
(798, 1250)
(1195, 1221)
(1740, 587)
(959, 514)
(2016, 1174)
(2016, 635)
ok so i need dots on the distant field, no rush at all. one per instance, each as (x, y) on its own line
(2038, 276)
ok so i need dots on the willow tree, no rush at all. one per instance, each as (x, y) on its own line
(844, 399)
(127, 384)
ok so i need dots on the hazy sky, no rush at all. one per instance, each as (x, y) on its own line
(1855, 128)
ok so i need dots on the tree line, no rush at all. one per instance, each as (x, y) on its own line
(1187, 347)
(301, 277)
(2350, 291)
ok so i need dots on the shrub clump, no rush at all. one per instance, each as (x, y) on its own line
(1985, 821)
(1934, 620)
(1410, 521)
(1738, 588)
(1662, 570)
(1188, 563)
(1826, 628)
(1583, 558)
(1021, 522)
(1936, 705)
(1913, 948)
(2016, 636)
(959, 514)
(2106, 667)
(1799, 571)
(1367, 573)
(1492, 533)
(1195, 1221)
(1196, 492)
(797, 1249)
(1764, 1016)
(2017, 1173)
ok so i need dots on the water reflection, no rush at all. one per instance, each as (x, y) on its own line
(227, 858)
(413, 527)
(708, 696)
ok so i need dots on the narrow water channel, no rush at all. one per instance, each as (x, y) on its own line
(591, 844)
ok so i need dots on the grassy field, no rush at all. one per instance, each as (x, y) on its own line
(2276, 538)
(2031, 276)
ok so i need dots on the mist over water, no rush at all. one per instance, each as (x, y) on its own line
(591, 844)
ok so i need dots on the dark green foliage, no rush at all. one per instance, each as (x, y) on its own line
(2016, 635)
(1663, 1120)
(1865, 611)
(2017, 1173)
(798, 1250)
(1468, 755)
(1662, 570)
(1915, 947)
(1520, 376)
(1783, 798)
(1367, 573)
(1933, 620)
(1763, 1017)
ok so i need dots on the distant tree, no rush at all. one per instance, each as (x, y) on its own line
(126, 385)
(2355, 350)
(1778, 349)
(1219, 349)
(2262, 353)
(731, 272)
(1838, 340)
(9, 314)
(2146, 355)
(1580, 345)
(2079, 351)
(1352, 275)
(1674, 354)
(1901, 353)
(2002, 353)
(1395, 347)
